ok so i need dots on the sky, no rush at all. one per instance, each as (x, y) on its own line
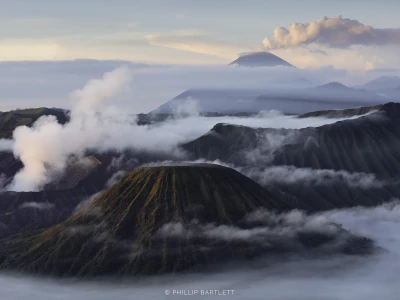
(198, 32)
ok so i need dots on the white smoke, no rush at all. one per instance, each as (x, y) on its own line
(115, 177)
(46, 147)
(37, 205)
(334, 32)
(314, 177)
(268, 143)
(188, 108)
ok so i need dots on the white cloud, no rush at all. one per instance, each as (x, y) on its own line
(334, 32)
(37, 205)
(352, 58)
(314, 177)
(339, 277)
(28, 49)
(97, 123)
(340, 42)
(35, 84)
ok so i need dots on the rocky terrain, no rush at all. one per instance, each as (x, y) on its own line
(366, 145)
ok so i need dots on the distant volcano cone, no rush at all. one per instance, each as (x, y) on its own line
(155, 220)
(260, 59)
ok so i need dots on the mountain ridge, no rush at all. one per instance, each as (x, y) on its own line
(382, 83)
(347, 146)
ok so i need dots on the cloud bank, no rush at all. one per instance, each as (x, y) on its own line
(98, 123)
(340, 278)
(47, 84)
(313, 177)
(274, 227)
(335, 32)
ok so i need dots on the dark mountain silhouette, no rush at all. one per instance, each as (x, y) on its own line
(326, 97)
(260, 59)
(20, 211)
(365, 145)
(82, 179)
(9, 166)
(166, 219)
(341, 113)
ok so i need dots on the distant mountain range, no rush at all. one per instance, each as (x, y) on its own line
(291, 95)
(383, 83)
(260, 59)
(333, 86)
(333, 95)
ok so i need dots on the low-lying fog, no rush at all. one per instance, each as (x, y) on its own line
(342, 277)
(98, 123)
(24, 84)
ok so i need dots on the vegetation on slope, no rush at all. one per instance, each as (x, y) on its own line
(12, 119)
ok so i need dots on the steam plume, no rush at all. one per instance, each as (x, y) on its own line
(334, 32)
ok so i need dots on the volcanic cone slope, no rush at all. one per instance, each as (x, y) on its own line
(155, 220)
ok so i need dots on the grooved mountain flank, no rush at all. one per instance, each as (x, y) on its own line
(206, 192)
(149, 197)
(167, 219)
(366, 144)
(116, 231)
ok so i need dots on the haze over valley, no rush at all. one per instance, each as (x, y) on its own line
(190, 154)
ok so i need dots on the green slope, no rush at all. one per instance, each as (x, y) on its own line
(12, 119)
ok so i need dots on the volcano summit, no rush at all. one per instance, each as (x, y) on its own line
(171, 218)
